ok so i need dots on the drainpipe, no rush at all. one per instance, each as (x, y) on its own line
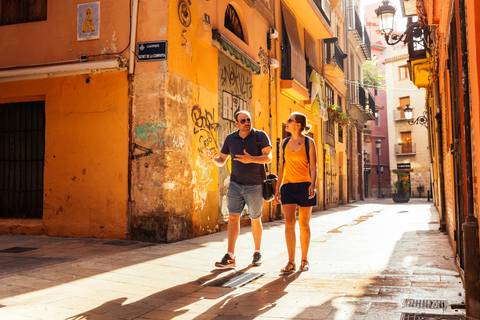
(131, 78)
(470, 227)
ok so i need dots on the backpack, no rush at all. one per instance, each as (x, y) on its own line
(307, 147)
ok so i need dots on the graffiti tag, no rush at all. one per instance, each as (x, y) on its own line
(238, 82)
(206, 129)
(151, 131)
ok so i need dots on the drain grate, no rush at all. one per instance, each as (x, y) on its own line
(429, 304)
(17, 250)
(241, 280)
(120, 243)
(424, 316)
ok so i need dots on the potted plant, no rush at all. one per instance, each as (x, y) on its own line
(401, 186)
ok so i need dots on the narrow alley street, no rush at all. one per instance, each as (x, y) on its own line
(368, 260)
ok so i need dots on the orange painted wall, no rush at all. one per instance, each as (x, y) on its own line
(86, 152)
(55, 39)
(473, 39)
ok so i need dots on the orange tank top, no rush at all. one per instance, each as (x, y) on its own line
(296, 167)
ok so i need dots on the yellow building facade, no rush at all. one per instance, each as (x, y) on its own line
(124, 112)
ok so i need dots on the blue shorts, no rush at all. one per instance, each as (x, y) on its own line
(240, 195)
(297, 193)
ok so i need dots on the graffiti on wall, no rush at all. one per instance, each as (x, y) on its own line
(205, 129)
(151, 132)
(236, 81)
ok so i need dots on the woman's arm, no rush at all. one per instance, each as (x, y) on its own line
(313, 168)
(280, 174)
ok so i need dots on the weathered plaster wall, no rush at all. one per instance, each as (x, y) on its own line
(86, 152)
(179, 110)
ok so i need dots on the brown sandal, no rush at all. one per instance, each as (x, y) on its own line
(304, 266)
(289, 268)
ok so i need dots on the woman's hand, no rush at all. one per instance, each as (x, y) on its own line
(277, 197)
(311, 191)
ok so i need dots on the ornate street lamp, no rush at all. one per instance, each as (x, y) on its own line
(378, 145)
(386, 19)
(421, 120)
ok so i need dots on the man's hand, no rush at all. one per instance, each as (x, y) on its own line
(244, 158)
(209, 154)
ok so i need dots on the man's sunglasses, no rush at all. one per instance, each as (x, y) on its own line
(247, 120)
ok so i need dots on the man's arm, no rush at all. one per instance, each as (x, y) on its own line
(266, 156)
(220, 160)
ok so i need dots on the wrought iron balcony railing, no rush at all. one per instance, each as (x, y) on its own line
(405, 149)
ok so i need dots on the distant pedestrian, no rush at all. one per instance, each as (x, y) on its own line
(245, 182)
(297, 178)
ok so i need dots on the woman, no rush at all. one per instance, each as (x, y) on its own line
(297, 177)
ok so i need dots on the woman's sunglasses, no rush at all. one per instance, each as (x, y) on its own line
(290, 120)
(247, 120)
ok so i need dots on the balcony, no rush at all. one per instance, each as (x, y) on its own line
(399, 115)
(325, 8)
(335, 58)
(359, 32)
(358, 101)
(314, 14)
(405, 149)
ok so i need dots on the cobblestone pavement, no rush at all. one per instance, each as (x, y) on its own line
(368, 260)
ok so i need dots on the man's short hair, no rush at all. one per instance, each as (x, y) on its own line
(242, 111)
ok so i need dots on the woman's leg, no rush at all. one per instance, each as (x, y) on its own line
(290, 219)
(304, 214)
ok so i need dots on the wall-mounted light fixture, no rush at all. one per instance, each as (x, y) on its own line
(274, 63)
(386, 19)
(421, 120)
(273, 33)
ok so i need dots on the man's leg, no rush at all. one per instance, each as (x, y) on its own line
(233, 231)
(257, 229)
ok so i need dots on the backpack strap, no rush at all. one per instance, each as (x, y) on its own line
(284, 145)
(259, 147)
(307, 147)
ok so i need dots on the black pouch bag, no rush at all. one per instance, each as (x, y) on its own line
(269, 182)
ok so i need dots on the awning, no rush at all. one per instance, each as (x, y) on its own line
(62, 70)
(235, 51)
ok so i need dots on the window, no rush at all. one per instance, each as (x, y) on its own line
(330, 95)
(377, 119)
(403, 102)
(21, 11)
(232, 22)
(406, 141)
(402, 72)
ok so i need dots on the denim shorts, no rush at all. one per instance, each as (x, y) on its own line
(297, 193)
(241, 195)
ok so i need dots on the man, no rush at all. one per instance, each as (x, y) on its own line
(245, 182)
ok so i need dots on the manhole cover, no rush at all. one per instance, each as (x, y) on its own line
(17, 250)
(424, 316)
(430, 304)
(240, 280)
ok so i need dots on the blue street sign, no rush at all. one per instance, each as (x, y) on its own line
(152, 51)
